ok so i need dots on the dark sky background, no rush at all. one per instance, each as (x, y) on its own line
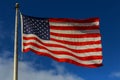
(107, 10)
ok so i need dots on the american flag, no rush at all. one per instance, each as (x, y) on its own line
(64, 40)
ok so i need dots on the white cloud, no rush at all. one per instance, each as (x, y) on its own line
(60, 69)
(115, 74)
(5, 54)
(26, 72)
(5, 69)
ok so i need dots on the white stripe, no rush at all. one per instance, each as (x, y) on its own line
(99, 53)
(68, 39)
(76, 39)
(73, 24)
(74, 31)
(98, 61)
(66, 45)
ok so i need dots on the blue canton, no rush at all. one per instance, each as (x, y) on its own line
(38, 26)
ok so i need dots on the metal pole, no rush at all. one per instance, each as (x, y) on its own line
(15, 70)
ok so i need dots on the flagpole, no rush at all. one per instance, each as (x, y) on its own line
(15, 69)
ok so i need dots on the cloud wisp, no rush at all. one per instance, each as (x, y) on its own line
(115, 74)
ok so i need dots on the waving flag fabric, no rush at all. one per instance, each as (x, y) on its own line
(64, 40)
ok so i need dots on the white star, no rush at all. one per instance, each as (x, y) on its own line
(37, 20)
(33, 20)
(42, 25)
(46, 21)
(47, 37)
(41, 21)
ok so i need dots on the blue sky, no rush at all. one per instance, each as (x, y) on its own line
(36, 67)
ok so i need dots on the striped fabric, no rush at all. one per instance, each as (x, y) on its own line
(64, 40)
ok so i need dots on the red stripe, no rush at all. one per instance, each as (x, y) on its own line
(73, 50)
(65, 42)
(74, 27)
(77, 43)
(90, 20)
(56, 45)
(63, 59)
(60, 46)
(63, 52)
(76, 35)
